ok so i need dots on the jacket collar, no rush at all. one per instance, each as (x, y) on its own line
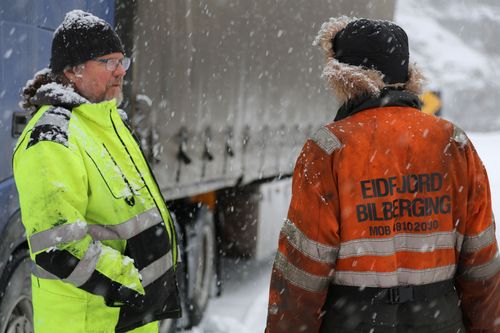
(102, 113)
(388, 97)
(65, 96)
(58, 95)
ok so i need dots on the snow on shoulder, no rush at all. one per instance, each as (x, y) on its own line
(56, 92)
(123, 114)
(79, 19)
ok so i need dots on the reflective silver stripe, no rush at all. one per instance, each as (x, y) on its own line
(75, 231)
(57, 117)
(400, 242)
(459, 136)
(312, 249)
(127, 229)
(482, 240)
(326, 140)
(82, 272)
(86, 266)
(391, 279)
(156, 269)
(300, 278)
(42, 273)
(460, 241)
(482, 272)
(179, 259)
(64, 233)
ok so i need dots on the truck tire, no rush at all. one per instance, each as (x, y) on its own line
(16, 308)
(200, 265)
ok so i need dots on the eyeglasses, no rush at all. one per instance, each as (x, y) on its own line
(112, 64)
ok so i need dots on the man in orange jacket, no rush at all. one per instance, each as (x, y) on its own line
(390, 227)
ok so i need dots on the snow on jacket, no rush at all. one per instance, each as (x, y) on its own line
(97, 225)
(386, 196)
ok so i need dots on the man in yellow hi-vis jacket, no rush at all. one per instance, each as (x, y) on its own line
(100, 235)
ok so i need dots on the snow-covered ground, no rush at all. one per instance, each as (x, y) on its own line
(455, 44)
(487, 147)
(242, 307)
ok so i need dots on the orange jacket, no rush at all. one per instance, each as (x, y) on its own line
(388, 196)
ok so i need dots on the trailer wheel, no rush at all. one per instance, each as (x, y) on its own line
(200, 267)
(16, 308)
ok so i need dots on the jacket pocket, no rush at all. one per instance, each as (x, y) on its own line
(114, 176)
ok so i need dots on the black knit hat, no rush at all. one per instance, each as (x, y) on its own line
(379, 45)
(81, 37)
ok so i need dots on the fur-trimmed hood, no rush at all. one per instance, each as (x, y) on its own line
(348, 81)
(58, 94)
(46, 88)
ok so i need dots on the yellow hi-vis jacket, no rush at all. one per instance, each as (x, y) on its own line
(99, 232)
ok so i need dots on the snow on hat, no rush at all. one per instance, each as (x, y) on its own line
(381, 45)
(81, 37)
(364, 56)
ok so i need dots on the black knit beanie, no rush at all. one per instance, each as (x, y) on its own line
(379, 45)
(81, 37)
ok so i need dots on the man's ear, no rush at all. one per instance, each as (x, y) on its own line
(73, 73)
(69, 73)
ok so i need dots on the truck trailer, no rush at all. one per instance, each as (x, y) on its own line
(222, 95)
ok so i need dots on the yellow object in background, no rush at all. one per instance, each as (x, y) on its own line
(431, 102)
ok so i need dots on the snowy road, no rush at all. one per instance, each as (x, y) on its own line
(487, 147)
(243, 305)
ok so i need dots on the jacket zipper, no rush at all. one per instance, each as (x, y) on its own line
(172, 233)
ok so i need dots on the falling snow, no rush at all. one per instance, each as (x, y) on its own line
(8, 53)
(243, 306)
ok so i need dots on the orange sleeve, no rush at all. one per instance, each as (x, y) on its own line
(478, 276)
(308, 246)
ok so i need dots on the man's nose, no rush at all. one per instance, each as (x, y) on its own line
(120, 70)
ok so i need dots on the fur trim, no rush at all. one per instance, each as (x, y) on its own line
(416, 79)
(328, 31)
(58, 94)
(349, 82)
